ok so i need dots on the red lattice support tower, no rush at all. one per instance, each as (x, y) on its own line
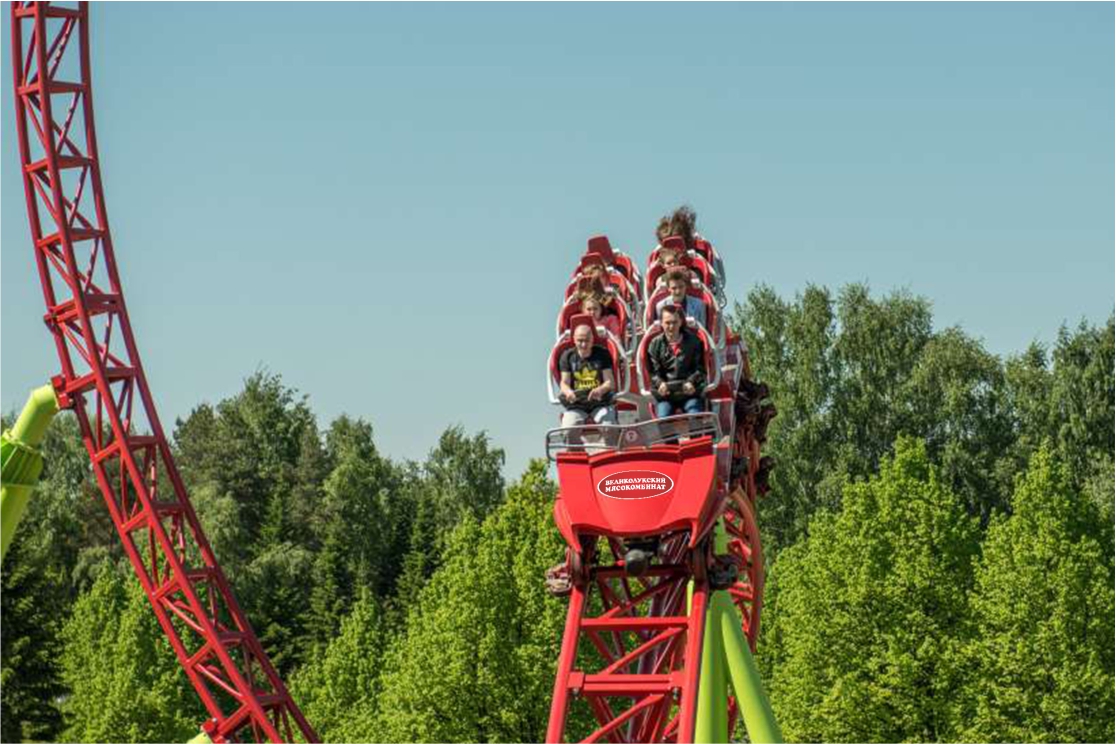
(636, 650)
(103, 381)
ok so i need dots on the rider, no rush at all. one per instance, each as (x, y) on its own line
(683, 223)
(680, 222)
(587, 382)
(593, 304)
(677, 364)
(678, 282)
(596, 270)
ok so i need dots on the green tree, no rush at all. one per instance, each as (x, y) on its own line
(1082, 392)
(1039, 665)
(304, 505)
(364, 523)
(955, 399)
(476, 660)
(276, 595)
(64, 532)
(339, 688)
(1065, 397)
(423, 546)
(862, 614)
(1028, 383)
(464, 476)
(124, 679)
(254, 466)
(1100, 489)
(791, 347)
(248, 448)
(837, 370)
(364, 511)
(30, 678)
(879, 343)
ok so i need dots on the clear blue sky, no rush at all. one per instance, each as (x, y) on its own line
(382, 202)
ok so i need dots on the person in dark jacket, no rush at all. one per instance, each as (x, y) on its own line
(676, 359)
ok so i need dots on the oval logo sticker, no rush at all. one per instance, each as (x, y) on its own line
(635, 484)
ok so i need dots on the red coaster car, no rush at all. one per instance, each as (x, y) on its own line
(652, 478)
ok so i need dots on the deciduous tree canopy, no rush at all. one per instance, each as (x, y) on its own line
(939, 534)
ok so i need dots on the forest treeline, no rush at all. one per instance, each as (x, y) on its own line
(938, 537)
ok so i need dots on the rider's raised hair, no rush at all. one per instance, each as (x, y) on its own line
(681, 222)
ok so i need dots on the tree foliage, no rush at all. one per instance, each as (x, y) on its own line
(476, 659)
(464, 477)
(405, 601)
(1040, 660)
(30, 678)
(339, 687)
(849, 375)
(125, 681)
(862, 614)
(63, 536)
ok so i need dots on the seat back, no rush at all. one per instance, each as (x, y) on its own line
(704, 249)
(622, 262)
(616, 282)
(655, 271)
(691, 260)
(713, 320)
(623, 314)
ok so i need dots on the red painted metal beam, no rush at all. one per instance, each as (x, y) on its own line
(634, 661)
(102, 379)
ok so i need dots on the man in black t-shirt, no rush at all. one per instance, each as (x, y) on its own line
(587, 382)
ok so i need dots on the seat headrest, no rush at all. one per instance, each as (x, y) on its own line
(592, 259)
(599, 245)
(674, 243)
(582, 319)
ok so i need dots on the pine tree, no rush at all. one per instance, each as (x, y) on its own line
(30, 680)
(65, 532)
(276, 596)
(422, 557)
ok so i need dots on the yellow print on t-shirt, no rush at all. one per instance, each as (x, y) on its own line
(586, 378)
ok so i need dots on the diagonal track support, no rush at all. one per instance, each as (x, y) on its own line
(103, 380)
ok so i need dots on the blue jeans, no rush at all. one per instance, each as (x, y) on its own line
(664, 408)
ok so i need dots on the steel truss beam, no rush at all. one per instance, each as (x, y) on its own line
(631, 653)
(103, 381)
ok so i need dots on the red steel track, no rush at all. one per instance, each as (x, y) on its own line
(102, 380)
